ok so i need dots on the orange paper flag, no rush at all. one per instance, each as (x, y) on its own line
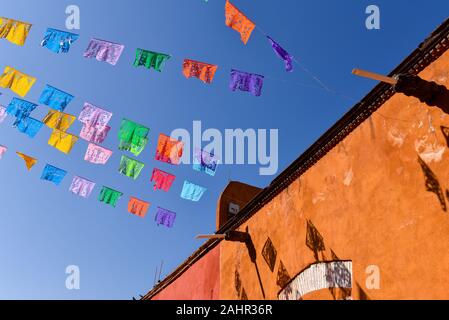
(238, 21)
(203, 71)
(29, 161)
(138, 207)
(169, 150)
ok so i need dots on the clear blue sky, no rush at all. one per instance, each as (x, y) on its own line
(44, 228)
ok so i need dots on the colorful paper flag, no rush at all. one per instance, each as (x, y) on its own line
(14, 31)
(203, 161)
(3, 150)
(236, 20)
(53, 174)
(29, 161)
(58, 120)
(81, 187)
(150, 59)
(169, 150)
(29, 126)
(200, 70)
(283, 54)
(245, 81)
(17, 81)
(192, 192)
(62, 141)
(102, 50)
(109, 196)
(96, 154)
(58, 41)
(133, 137)
(55, 98)
(162, 180)
(165, 217)
(138, 207)
(130, 167)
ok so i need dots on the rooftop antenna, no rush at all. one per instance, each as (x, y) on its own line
(160, 271)
(155, 275)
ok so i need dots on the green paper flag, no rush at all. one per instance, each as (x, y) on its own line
(150, 59)
(133, 137)
(109, 196)
(130, 167)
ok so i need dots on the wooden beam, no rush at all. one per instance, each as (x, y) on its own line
(374, 76)
(210, 236)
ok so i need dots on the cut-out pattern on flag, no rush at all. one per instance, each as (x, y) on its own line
(150, 59)
(203, 161)
(18, 82)
(14, 31)
(95, 120)
(102, 50)
(3, 113)
(130, 167)
(81, 187)
(283, 54)
(109, 196)
(55, 98)
(96, 154)
(94, 134)
(53, 174)
(192, 192)
(62, 141)
(20, 109)
(94, 116)
(165, 217)
(133, 137)
(3, 150)
(29, 161)
(29, 126)
(138, 207)
(236, 20)
(203, 71)
(162, 180)
(169, 150)
(58, 41)
(58, 120)
(245, 81)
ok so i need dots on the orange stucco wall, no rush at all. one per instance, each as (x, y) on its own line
(368, 200)
(200, 282)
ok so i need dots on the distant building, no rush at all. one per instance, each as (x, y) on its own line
(362, 214)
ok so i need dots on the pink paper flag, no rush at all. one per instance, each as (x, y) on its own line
(81, 187)
(3, 149)
(94, 134)
(94, 116)
(3, 113)
(96, 154)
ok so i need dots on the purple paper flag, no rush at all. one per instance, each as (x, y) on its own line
(104, 51)
(281, 53)
(244, 81)
(165, 217)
